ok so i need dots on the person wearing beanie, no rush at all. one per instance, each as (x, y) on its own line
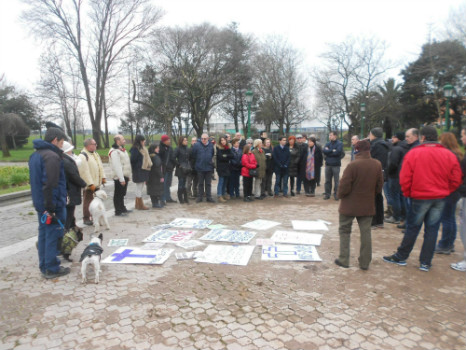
(120, 163)
(361, 181)
(379, 151)
(395, 158)
(48, 190)
(333, 152)
(168, 162)
(74, 184)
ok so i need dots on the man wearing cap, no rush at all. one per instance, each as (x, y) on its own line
(91, 170)
(395, 158)
(379, 151)
(121, 173)
(48, 190)
(168, 164)
(360, 182)
(203, 153)
(430, 172)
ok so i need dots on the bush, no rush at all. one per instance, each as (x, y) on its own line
(13, 176)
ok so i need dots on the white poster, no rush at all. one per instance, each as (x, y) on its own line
(261, 224)
(232, 236)
(309, 225)
(190, 223)
(190, 244)
(264, 241)
(169, 236)
(118, 242)
(281, 252)
(152, 246)
(294, 237)
(134, 255)
(226, 254)
(188, 255)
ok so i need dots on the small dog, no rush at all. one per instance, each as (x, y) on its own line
(92, 255)
(70, 241)
(97, 210)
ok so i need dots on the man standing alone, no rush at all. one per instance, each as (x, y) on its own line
(333, 152)
(121, 173)
(360, 182)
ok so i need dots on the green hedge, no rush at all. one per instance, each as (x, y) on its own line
(13, 176)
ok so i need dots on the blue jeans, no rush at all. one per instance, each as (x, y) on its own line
(396, 198)
(181, 183)
(449, 221)
(299, 181)
(234, 182)
(386, 191)
(167, 183)
(47, 244)
(281, 180)
(221, 186)
(429, 212)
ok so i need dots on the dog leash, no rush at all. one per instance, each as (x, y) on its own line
(44, 217)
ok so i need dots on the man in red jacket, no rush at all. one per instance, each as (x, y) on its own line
(429, 173)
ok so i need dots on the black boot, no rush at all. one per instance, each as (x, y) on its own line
(185, 195)
(180, 196)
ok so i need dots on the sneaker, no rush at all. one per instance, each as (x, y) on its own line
(459, 266)
(339, 263)
(62, 271)
(394, 260)
(446, 251)
(221, 199)
(392, 220)
(375, 227)
(127, 211)
(424, 267)
(121, 214)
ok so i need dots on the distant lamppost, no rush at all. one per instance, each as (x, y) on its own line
(342, 116)
(448, 92)
(249, 94)
(363, 109)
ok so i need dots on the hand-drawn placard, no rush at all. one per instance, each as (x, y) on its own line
(293, 237)
(134, 255)
(309, 225)
(281, 252)
(153, 246)
(117, 242)
(190, 244)
(226, 254)
(260, 224)
(264, 241)
(161, 227)
(169, 236)
(232, 236)
(190, 223)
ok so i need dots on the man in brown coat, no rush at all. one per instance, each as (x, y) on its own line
(361, 181)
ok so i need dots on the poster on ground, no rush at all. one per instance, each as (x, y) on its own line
(169, 236)
(190, 244)
(190, 223)
(285, 252)
(261, 224)
(117, 242)
(135, 255)
(309, 225)
(232, 236)
(226, 254)
(293, 237)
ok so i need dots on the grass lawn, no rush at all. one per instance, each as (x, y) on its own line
(14, 189)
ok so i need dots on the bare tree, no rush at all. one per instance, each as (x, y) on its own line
(113, 26)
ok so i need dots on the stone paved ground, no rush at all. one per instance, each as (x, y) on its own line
(278, 305)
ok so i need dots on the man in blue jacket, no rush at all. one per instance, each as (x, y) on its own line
(281, 160)
(202, 154)
(48, 189)
(333, 152)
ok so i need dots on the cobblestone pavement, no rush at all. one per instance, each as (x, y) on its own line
(265, 305)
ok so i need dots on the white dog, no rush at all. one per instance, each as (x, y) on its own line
(97, 210)
(92, 255)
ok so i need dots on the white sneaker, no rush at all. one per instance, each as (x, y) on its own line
(459, 266)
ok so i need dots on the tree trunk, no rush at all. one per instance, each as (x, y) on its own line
(5, 149)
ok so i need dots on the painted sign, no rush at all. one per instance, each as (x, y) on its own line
(233, 236)
(169, 236)
(294, 237)
(117, 242)
(189, 244)
(226, 254)
(190, 223)
(134, 255)
(281, 252)
(261, 224)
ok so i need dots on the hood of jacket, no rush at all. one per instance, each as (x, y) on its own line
(41, 144)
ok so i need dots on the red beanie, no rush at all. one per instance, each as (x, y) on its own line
(165, 138)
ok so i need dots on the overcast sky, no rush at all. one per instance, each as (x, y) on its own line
(309, 25)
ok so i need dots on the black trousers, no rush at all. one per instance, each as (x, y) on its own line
(70, 219)
(204, 179)
(309, 185)
(247, 186)
(378, 218)
(119, 196)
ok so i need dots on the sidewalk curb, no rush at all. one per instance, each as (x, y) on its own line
(15, 195)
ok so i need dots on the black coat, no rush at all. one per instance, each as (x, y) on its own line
(168, 157)
(294, 161)
(318, 162)
(224, 155)
(235, 162)
(395, 159)
(139, 175)
(379, 151)
(182, 160)
(74, 183)
(268, 159)
(154, 186)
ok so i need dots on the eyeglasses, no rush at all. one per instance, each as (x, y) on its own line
(204, 138)
(93, 144)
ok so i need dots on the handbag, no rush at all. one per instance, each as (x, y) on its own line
(253, 173)
(185, 170)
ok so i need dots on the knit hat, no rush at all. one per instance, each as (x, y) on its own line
(377, 132)
(165, 138)
(53, 133)
(362, 146)
(67, 147)
(400, 135)
(257, 142)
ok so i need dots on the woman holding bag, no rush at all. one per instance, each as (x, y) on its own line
(249, 163)
(141, 164)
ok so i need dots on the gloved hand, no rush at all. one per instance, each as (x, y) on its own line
(91, 188)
